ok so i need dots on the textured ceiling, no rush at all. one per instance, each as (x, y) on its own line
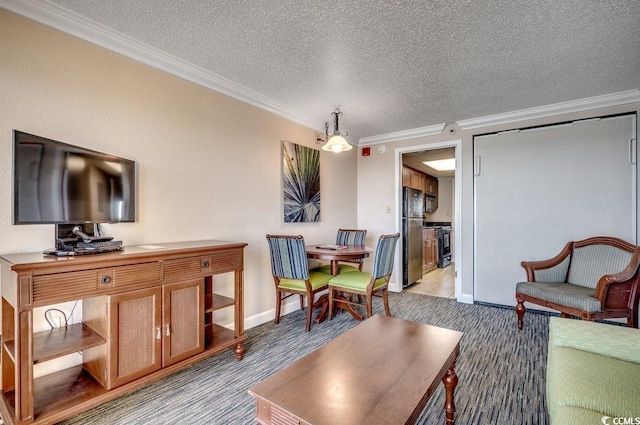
(394, 65)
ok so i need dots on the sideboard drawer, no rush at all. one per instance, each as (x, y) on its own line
(190, 267)
(59, 287)
(225, 261)
(205, 265)
(137, 276)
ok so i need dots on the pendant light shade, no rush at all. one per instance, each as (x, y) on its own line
(335, 142)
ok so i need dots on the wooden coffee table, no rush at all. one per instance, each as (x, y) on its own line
(383, 371)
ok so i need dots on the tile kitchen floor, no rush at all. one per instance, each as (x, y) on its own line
(437, 283)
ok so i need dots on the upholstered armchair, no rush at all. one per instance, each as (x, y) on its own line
(595, 278)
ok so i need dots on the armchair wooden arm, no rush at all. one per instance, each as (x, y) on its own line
(620, 290)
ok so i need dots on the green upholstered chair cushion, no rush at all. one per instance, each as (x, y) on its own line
(589, 263)
(317, 280)
(342, 268)
(565, 294)
(355, 280)
(593, 382)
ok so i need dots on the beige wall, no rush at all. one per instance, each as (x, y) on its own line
(379, 180)
(208, 165)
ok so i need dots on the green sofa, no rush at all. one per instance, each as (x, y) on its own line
(593, 373)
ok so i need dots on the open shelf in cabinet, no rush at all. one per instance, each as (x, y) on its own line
(9, 348)
(61, 341)
(218, 337)
(60, 391)
(214, 302)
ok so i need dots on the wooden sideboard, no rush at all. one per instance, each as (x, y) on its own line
(147, 312)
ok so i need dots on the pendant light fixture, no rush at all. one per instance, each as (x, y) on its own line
(336, 142)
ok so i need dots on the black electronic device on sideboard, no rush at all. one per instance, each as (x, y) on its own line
(74, 188)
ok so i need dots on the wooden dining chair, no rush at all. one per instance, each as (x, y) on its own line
(291, 274)
(347, 237)
(367, 284)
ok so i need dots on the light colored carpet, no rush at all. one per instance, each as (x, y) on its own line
(501, 370)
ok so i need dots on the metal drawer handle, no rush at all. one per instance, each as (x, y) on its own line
(105, 280)
(205, 264)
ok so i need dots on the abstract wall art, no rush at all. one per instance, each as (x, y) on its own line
(300, 183)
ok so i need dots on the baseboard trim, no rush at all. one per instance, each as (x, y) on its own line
(465, 299)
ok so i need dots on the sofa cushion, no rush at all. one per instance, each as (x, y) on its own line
(591, 381)
(589, 263)
(576, 415)
(562, 293)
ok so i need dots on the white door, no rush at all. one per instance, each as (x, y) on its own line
(537, 189)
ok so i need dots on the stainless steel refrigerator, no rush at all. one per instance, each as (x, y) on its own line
(412, 208)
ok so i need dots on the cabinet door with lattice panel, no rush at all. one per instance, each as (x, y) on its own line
(135, 334)
(183, 321)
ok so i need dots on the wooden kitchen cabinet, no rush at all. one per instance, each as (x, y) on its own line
(419, 180)
(148, 311)
(406, 176)
(431, 185)
(429, 250)
(412, 178)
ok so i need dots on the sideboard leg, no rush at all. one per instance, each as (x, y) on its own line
(239, 350)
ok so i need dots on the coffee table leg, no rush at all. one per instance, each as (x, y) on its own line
(450, 381)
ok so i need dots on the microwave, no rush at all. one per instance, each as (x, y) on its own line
(430, 203)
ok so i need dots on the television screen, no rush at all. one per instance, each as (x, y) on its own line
(57, 183)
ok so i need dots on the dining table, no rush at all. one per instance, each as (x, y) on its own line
(335, 254)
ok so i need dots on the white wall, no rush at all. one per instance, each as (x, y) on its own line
(209, 166)
(379, 175)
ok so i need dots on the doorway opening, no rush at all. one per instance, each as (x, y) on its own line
(430, 256)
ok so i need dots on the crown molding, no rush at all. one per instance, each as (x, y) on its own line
(604, 101)
(61, 19)
(413, 133)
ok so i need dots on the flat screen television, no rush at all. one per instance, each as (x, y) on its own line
(57, 183)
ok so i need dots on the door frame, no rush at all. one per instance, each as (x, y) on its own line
(457, 223)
